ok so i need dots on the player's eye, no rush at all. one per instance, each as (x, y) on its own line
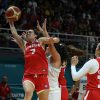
(29, 32)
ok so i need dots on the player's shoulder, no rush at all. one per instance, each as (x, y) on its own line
(92, 60)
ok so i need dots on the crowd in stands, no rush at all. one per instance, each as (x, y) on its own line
(64, 16)
(80, 17)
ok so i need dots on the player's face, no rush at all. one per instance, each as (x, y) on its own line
(30, 35)
(64, 64)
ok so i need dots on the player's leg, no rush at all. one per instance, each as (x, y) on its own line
(64, 93)
(43, 95)
(42, 87)
(28, 88)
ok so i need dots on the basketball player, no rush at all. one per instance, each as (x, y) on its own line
(36, 65)
(55, 59)
(92, 70)
(58, 55)
(82, 87)
(63, 82)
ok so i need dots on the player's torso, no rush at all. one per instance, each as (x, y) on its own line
(82, 84)
(35, 59)
(53, 75)
(62, 80)
(93, 80)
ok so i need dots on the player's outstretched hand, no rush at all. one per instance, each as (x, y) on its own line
(74, 60)
(39, 28)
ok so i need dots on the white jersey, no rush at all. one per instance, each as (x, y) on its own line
(90, 67)
(53, 74)
(82, 87)
(82, 84)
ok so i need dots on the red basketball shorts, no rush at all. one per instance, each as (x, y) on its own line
(39, 81)
(92, 95)
(64, 93)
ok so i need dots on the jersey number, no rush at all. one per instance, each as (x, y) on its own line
(84, 87)
(33, 51)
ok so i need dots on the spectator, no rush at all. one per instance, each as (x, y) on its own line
(5, 91)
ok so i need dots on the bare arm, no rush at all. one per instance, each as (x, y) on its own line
(73, 89)
(48, 40)
(55, 57)
(43, 29)
(45, 33)
(18, 38)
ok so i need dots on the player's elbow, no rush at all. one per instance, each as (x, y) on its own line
(56, 40)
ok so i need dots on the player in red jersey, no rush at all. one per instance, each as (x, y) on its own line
(92, 70)
(63, 82)
(36, 65)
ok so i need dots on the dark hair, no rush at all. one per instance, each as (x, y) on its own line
(62, 50)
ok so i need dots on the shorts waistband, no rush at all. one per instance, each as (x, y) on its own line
(36, 75)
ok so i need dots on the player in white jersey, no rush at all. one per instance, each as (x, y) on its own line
(53, 74)
(54, 70)
(58, 55)
(82, 87)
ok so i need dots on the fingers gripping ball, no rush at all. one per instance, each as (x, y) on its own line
(13, 13)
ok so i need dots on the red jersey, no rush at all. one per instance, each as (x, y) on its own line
(35, 59)
(93, 80)
(62, 80)
(4, 90)
(62, 83)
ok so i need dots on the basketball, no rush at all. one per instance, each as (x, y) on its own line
(13, 13)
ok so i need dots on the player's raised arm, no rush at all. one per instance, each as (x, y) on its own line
(17, 37)
(12, 14)
(43, 29)
(45, 33)
(49, 40)
(56, 59)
